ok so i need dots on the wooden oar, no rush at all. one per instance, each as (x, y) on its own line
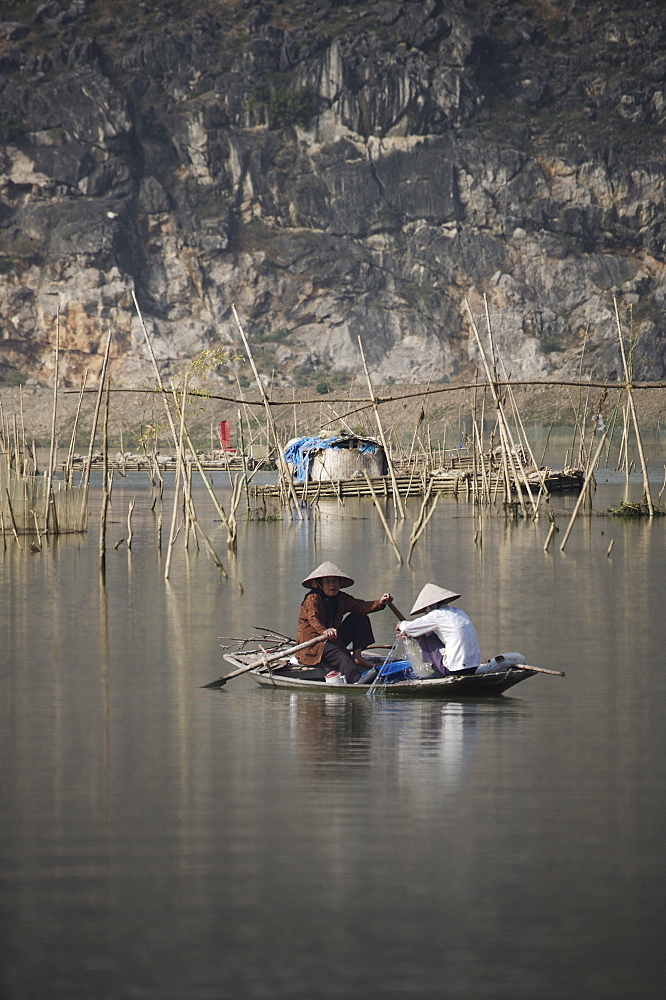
(399, 616)
(263, 660)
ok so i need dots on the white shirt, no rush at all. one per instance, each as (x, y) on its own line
(460, 645)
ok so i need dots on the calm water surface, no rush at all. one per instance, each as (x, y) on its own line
(164, 842)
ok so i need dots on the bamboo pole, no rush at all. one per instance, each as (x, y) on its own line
(244, 463)
(551, 531)
(11, 515)
(177, 438)
(634, 417)
(375, 500)
(581, 495)
(545, 447)
(37, 531)
(54, 411)
(209, 486)
(105, 490)
(505, 437)
(484, 471)
(68, 473)
(130, 533)
(176, 485)
(396, 493)
(209, 548)
(270, 423)
(158, 377)
(98, 403)
(513, 449)
(421, 523)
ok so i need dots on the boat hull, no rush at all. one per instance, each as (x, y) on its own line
(469, 686)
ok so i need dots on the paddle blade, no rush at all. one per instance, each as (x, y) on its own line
(220, 682)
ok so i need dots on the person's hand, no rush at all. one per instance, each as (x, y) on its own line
(330, 633)
(384, 599)
(398, 630)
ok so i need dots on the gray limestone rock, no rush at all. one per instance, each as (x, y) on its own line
(336, 172)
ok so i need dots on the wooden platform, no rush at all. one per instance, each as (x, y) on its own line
(454, 483)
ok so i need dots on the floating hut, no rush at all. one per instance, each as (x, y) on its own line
(340, 457)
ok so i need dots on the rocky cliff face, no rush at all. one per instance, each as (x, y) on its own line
(336, 170)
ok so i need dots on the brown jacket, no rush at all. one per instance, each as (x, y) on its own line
(312, 618)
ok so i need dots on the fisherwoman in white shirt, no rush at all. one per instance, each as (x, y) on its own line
(446, 635)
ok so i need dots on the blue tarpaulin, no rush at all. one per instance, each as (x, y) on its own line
(299, 453)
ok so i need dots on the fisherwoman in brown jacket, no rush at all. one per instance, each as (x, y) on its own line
(322, 612)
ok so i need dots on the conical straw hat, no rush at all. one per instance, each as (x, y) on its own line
(432, 594)
(328, 569)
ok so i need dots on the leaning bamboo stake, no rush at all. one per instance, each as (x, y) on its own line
(375, 500)
(634, 417)
(158, 377)
(211, 551)
(285, 475)
(54, 411)
(506, 425)
(176, 485)
(577, 408)
(418, 531)
(176, 438)
(484, 472)
(130, 533)
(505, 437)
(24, 450)
(218, 506)
(72, 443)
(581, 495)
(623, 457)
(551, 531)
(11, 515)
(105, 491)
(188, 510)
(424, 503)
(98, 403)
(523, 439)
(37, 531)
(17, 447)
(246, 483)
(396, 493)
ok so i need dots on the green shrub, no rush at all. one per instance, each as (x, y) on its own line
(273, 336)
(285, 106)
(8, 263)
(10, 128)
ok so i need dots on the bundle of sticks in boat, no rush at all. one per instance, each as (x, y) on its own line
(264, 641)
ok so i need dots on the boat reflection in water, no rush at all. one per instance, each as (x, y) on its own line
(329, 730)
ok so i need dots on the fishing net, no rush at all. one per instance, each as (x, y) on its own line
(25, 510)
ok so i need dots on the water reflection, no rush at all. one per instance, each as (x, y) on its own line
(336, 734)
(163, 841)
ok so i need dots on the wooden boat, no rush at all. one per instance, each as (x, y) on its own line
(287, 676)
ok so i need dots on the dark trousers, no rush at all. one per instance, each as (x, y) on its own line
(357, 630)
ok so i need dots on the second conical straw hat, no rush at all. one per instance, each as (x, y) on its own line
(328, 569)
(432, 594)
